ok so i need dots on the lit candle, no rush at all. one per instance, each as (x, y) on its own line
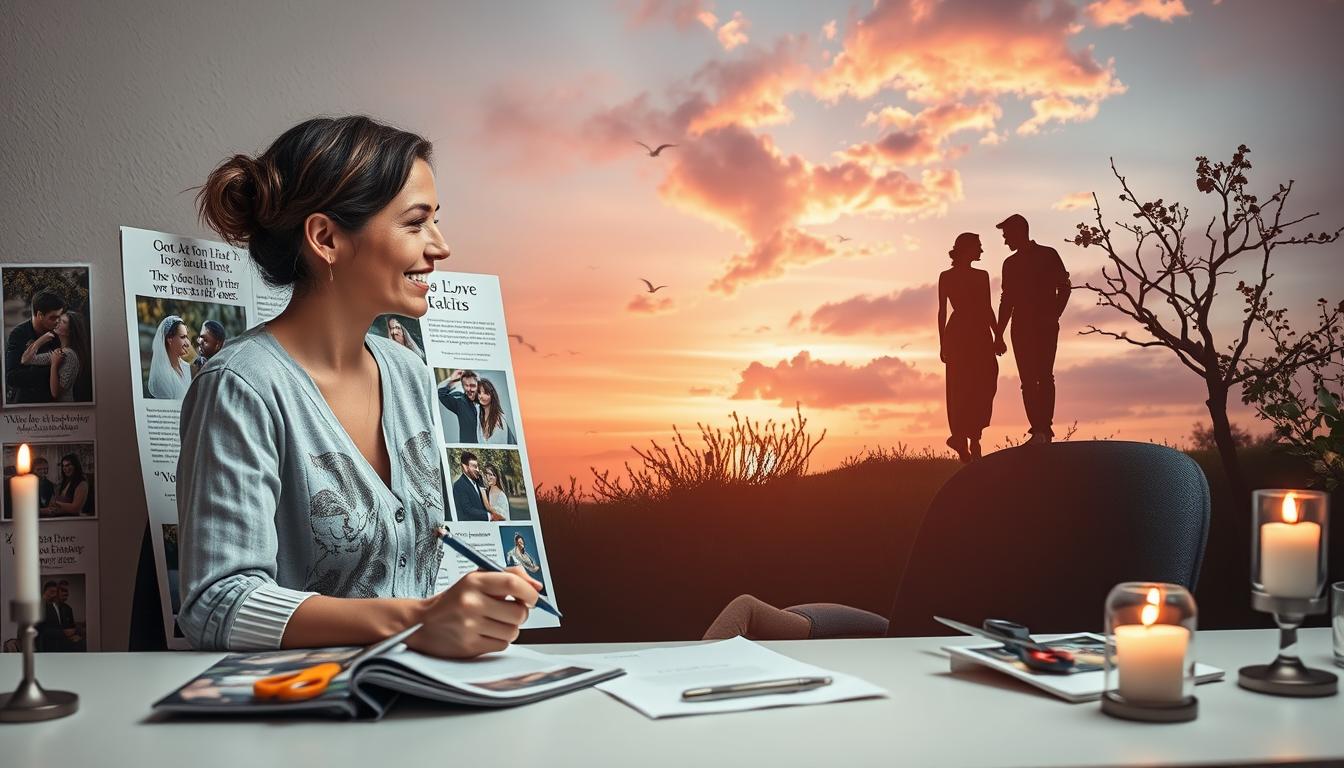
(1150, 657)
(23, 495)
(1289, 554)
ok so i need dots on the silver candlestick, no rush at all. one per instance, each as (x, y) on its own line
(30, 702)
(1287, 675)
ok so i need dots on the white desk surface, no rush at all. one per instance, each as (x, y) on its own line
(932, 718)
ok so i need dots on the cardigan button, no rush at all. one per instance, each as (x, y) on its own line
(401, 561)
(401, 514)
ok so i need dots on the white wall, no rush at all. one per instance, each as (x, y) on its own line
(109, 111)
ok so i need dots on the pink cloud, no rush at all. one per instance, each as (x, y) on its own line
(749, 91)
(818, 384)
(915, 307)
(645, 305)
(1057, 109)
(921, 138)
(1104, 13)
(736, 178)
(1145, 382)
(828, 30)
(940, 53)
(734, 31)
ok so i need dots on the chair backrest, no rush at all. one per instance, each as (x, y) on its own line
(1040, 533)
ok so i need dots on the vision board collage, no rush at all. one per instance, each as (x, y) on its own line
(49, 327)
(187, 297)
(464, 340)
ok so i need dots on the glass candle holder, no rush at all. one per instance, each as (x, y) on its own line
(1289, 531)
(1288, 536)
(1150, 653)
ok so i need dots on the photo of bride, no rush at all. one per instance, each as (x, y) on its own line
(177, 339)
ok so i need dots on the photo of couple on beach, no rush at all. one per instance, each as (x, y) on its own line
(1034, 292)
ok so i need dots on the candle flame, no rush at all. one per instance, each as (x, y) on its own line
(1149, 614)
(24, 462)
(1290, 509)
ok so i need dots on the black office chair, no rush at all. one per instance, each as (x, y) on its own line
(1039, 534)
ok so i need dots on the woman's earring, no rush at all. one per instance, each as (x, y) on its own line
(331, 276)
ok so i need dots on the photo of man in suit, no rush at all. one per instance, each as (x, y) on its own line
(467, 490)
(31, 383)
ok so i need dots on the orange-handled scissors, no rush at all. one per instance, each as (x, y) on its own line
(311, 682)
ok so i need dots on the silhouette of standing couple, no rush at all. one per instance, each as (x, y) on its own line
(1035, 291)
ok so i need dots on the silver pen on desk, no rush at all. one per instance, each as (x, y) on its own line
(736, 690)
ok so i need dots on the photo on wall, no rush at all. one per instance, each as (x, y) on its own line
(47, 326)
(178, 337)
(487, 485)
(65, 479)
(401, 329)
(64, 625)
(519, 543)
(475, 407)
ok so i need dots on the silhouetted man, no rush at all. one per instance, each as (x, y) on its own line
(32, 383)
(1035, 292)
(467, 490)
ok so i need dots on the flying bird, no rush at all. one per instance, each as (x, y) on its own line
(652, 289)
(843, 239)
(655, 152)
(519, 339)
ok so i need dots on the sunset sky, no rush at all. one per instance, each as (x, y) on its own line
(897, 125)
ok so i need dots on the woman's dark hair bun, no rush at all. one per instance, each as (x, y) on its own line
(238, 198)
(348, 168)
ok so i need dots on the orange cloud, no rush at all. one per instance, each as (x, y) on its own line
(897, 311)
(921, 138)
(734, 31)
(818, 384)
(1073, 200)
(736, 178)
(1105, 13)
(749, 91)
(645, 305)
(828, 30)
(1054, 108)
(939, 53)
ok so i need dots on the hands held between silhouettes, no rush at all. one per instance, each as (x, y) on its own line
(1000, 346)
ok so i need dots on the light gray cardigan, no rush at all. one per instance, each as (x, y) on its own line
(275, 503)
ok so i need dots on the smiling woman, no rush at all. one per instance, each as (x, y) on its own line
(309, 489)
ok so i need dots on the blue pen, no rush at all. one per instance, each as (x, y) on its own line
(484, 563)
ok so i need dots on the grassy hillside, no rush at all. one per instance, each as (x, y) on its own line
(662, 571)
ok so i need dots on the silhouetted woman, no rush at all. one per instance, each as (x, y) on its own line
(967, 345)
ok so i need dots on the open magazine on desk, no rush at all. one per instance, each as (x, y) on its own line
(511, 677)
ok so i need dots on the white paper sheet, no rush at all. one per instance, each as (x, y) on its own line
(654, 679)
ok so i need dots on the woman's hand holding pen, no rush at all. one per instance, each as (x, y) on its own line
(475, 615)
